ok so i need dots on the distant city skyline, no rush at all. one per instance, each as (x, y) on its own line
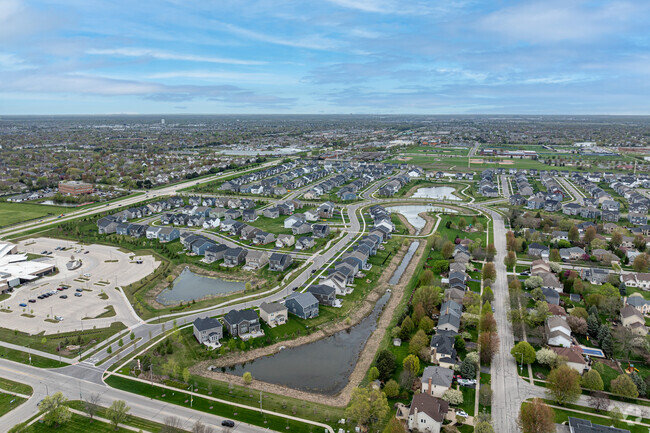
(325, 57)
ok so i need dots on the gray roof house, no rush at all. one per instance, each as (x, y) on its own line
(303, 305)
(242, 323)
(234, 257)
(208, 330)
(214, 253)
(436, 380)
(450, 313)
(279, 262)
(578, 425)
(326, 295)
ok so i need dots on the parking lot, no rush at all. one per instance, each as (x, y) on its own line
(91, 288)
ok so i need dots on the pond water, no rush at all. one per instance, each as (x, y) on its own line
(323, 366)
(404, 264)
(51, 203)
(189, 286)
(437, 192)
(412, 213)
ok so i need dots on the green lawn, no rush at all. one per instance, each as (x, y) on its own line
(469, 397)
(9, 402)
(12, 213)
(63, 339)
(23, 357)
(204, 405)
(10, 385)
(81, 424)
(608, 374)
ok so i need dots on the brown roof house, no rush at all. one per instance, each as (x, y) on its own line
(573, 356)
(427, 413)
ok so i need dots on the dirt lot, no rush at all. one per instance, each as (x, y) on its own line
(102, 269)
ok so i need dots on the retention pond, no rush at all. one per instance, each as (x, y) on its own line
(189, 286)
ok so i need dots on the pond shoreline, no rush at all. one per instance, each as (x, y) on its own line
(366, 355)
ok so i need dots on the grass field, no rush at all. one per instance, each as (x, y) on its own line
(10, 385)
(12, 213)
(9, 402)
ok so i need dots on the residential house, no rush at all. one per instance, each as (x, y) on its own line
(573, 356)
(594, 275)
(305, 243)
(279, 262)
(573, 253)
(427, 413)
(579, 425)
(263, 238)
(638, 302)
(558, 332)
(550, 281)
(450, 313)
(326, 295)
(208, 331)
(214, 253)
(320, 230)
(256, 259)
(242, 323)
(535, 249)
(234, 257)
(303, 305)
(442, 350)
(633, 319)
(436, 380)
(249, 215)
(168, 234)
(552, 296)
(273, 313)
(271, 212)
(284, 241)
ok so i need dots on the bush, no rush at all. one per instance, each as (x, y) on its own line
(453, 396)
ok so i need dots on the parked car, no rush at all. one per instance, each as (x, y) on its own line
(228, 423)
(462, 413)
(63, 296)
(78, 295)
(86, 252)
(79, 289)
(22, 304)
(32, 300)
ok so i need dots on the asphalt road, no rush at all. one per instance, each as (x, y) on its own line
(44, 381)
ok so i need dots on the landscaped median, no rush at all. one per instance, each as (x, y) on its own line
(242, 413)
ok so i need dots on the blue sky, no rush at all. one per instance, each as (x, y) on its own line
(327, 56)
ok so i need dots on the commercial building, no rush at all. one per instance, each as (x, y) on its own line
(75, 188)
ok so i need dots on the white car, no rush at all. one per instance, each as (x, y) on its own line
(87, 275)
(462, 413)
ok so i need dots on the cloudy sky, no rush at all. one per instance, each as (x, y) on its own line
(324, 56)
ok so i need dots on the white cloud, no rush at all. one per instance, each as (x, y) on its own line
(310, 42)
(557, 21)
(164, 55)
(9, 62)
(217, 75)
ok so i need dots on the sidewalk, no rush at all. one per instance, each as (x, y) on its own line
(38, 352)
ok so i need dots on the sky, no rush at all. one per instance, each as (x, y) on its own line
(324, 56)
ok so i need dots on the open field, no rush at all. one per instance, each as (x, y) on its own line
(12, 213)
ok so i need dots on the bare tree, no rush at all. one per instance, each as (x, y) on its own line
(172, 425)
(199, 427)
(91, 404)
(598, 400)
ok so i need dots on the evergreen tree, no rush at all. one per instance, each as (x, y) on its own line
(602, 333)
(593, 326)
(640, 384)
(468, 369)
(593, 310)
(607, 345)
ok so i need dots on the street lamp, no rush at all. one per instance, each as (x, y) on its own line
(521, 365)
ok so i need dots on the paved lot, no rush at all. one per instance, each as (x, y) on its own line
(105, 268)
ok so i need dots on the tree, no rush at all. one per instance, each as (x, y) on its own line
(447, 250)
(386, 364)
(578, 325)
(640, 384)
(623, 386)
(411, 364)
(563, 384)
(426, 278)
(607, 345)
(483, 427)
(510, 260)
(391, 389)
(491, 251)
(418, 341)
(574, 234)
(534, 282)
(373, 374)
(118, 412)
(394, 426)
(418, 313)
(590, 235)
(56, 410)
(487, 295)
(489, 272)
(91, 404)
(593, 326)
(487, 323)
(199, 427)
(248, 378)
(536, 417)
(453, 396)
(426, 324)
(429, 297)
(640, 263)
(616, 415)
(592, 380)
(579, 312)
(172, 424)
(489, 346)
(546, 356)
(525, 350)
(554, 255)
(468, 369)
(598, 400)
(485, 395)
(459, 343)
(367, 406)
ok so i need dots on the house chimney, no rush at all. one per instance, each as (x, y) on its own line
(429, 390)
